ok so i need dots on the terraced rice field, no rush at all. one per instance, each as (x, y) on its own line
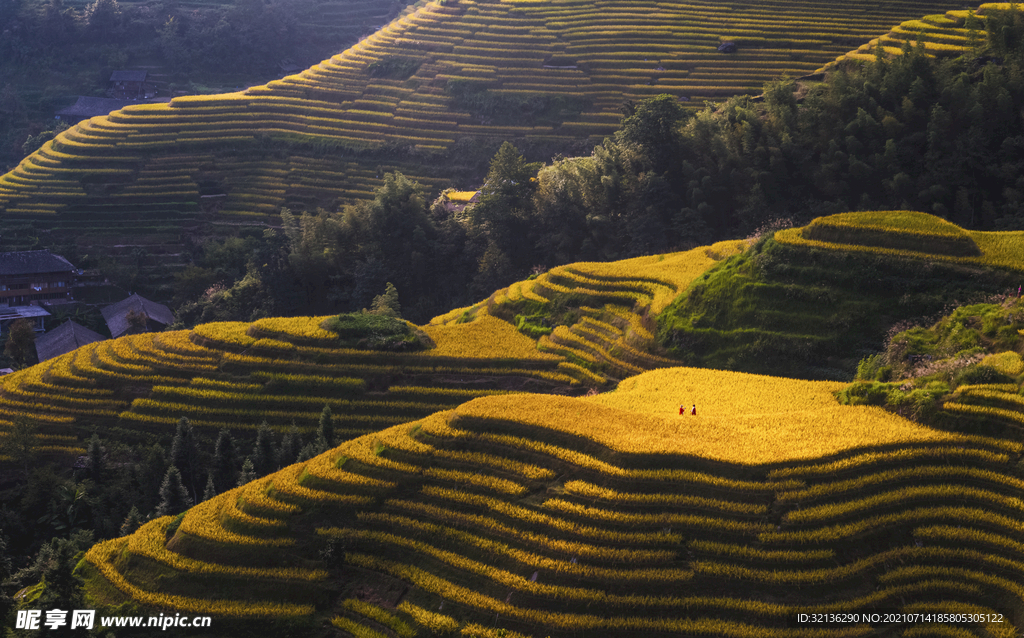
(941, 35)
(998, 403)
(612, 336)
(482, 519)
(910, 234)
(251, 152)
(235, 375)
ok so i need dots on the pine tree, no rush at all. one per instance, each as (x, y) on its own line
(224, 462)
(131, 522)
(325, 431)
(972, 24)
(248, 474)
(263, 450)
(97, 461)
(151, 475)
(387, 304)
(307, 452)
(62, 587)
(291, 443)
(174, 498)
(6, 603)
(185, 456)
(210, 490)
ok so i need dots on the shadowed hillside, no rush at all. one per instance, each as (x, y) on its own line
(431, 94)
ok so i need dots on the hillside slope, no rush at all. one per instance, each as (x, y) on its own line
(283, 371)
(551, 515)
(431, 94)
(813, 301)
(940, 35)
(962, 373)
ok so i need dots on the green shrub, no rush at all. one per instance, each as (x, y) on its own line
(866, 393)
(532, 326)
(978, 374)
(359, 324)
(395, 67)
(369, 331)
(873, 368)
(921, 401)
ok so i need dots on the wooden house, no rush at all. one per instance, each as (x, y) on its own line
(35, 314)
(87, 107)
(157, 316)
(34, 276)
(128, 85)
(63, 339)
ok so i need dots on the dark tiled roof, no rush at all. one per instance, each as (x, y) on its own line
(33, 261)
(11, 313)
(116, 315)
(93, 106)
(63, 339)
(128, 76)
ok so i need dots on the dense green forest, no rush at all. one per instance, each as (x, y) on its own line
(903, 133)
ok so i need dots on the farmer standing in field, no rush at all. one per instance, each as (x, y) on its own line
(693, 411)
(682, 410)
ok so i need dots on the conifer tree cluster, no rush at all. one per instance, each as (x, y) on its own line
(183, 482)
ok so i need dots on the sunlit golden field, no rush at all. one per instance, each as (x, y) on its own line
(741, 418)
(676, 270)
(1004, 249)
(486, 337)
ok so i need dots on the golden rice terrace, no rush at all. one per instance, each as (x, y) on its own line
(468, 510)
(285, 370)
(547, 516)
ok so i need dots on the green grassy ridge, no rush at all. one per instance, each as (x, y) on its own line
(807, 312)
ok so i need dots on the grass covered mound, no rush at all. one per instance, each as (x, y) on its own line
(900, 230)
(374, 332)
(813, 309)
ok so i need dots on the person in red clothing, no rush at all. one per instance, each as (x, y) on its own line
(693, 411)
(682, 410)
